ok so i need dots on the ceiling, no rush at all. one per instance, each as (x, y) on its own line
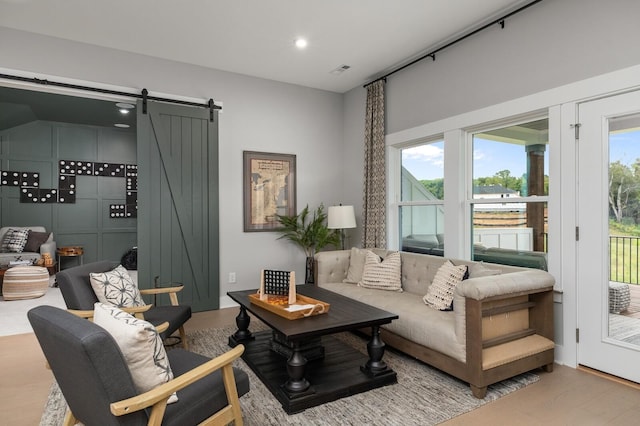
(256, 37)
(19, 107)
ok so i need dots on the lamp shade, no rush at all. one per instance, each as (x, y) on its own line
(341, 217)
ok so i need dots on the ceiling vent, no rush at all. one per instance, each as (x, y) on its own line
(342, 68)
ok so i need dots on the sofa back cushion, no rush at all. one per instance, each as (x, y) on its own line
(418, 271)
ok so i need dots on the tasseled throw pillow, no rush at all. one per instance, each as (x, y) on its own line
(440, 292)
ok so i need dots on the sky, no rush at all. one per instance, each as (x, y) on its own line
(624, 147)
(426, 161)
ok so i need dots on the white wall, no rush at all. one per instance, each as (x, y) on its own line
(553, 43)
(258, 115)
(555, 52)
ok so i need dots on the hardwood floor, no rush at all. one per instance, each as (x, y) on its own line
(565, 397)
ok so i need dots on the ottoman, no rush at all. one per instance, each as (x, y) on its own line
(25, 282)
(619, 297)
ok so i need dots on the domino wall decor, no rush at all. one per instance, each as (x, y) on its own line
(69, 171)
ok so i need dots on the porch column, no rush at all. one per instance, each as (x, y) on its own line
(535, 186)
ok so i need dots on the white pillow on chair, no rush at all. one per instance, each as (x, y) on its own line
(140, 344)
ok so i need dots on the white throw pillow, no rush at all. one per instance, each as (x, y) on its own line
(116, 287)
(382, 275)
(440, 292)
(356, 265)
(140, 344)
(480, 270)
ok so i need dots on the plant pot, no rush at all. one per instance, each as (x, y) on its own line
(309, 274)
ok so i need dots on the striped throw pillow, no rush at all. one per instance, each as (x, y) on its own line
(382, 274)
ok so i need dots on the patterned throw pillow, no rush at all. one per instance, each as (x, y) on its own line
(116, 288)
(14, 240)
(440, 292)
(382, 275)
(140, 345)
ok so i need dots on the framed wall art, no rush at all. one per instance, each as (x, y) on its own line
(269, 182)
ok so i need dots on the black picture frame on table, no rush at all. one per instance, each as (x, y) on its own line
(269, 185)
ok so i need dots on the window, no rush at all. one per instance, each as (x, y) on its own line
(509, 191)
(422, 198)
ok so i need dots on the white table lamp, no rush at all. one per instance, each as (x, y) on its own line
(341, 217)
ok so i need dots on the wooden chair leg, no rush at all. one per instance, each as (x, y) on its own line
(69, 418)
(183, 336)
(232, 393)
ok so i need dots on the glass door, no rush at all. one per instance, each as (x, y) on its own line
(609, 235)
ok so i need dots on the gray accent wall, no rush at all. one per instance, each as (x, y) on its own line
(37, 147)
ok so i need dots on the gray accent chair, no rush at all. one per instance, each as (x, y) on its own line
(75, 286)
(96, 383)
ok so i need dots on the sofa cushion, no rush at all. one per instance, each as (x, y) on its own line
(140, 344)
(382, 274)
(14, 240)
(440, 292)
(356, 265)
(428, 327)
(35, 240)
(116, 288)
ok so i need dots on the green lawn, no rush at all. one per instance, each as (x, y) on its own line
(624, 252)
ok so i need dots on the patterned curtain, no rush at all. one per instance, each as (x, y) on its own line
(375, 181)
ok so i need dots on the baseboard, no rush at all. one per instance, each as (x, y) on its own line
(227, 302)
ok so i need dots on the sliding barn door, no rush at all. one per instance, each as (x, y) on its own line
(178, 201)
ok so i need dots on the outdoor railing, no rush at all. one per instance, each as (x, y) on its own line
(624, 258)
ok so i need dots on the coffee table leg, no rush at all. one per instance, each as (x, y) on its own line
(242, 334)
(295, 368)
(375, 348)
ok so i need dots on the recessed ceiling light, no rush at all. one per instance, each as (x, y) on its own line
(124, 105)
(300, 43)
(124, 111)
(122, 126)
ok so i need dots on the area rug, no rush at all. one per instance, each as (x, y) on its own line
(422, 396)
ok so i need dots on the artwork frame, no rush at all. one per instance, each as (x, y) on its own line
(280, 174)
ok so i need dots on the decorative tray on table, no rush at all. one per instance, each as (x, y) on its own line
(302, 308)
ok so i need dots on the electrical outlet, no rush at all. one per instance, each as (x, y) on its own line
(232, 277)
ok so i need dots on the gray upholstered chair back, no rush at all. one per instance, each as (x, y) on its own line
(87, 365)
(75, 285)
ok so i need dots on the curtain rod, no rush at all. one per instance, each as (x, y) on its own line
(142, 95)
(432, 54)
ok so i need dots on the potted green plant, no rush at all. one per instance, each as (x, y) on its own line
(310, 232)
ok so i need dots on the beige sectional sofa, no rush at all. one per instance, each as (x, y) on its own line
(501, 324)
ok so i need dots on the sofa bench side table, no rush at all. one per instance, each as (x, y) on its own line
(70, 251)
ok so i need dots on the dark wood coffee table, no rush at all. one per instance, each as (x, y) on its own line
(300, 363)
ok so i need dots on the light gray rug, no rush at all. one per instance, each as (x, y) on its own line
(422, 396)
